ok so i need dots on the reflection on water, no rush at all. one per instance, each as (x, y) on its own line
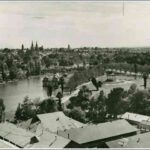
(14, 92)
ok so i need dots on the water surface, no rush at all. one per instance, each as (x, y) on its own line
(14, 92)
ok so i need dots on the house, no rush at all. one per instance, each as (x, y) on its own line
(135, 118)
(51, 122)
(144, 126)
(137, 141)
(15, 135)
(96, 135)
(51, 140)
(12, 136)
(58, 121)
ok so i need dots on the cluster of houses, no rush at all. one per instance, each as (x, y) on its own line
(56, 130)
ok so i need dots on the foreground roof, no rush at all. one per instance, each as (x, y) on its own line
(29, 125)
(137, 141)
(135, 117)
(58, 121)
(49, 140)
(98, 132)
(14, 134)
(4, 144)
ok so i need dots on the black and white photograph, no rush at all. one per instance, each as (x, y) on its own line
(74, 74)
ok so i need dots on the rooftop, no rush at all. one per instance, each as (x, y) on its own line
(145, 123)
(4, 144)
(49, 140)
(98, 132)
(137, 141)
(135, 117)
(14, 134)
(58, 121)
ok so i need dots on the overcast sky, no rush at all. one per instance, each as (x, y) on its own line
(57, 24)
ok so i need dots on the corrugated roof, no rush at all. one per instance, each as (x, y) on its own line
(50, 140)
(98, 132)
(137, 141)
(135, 117)
(15, 134)
(58, 121)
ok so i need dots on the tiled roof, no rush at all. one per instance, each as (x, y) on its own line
(98, 132)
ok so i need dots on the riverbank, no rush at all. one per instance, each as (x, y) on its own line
(122, 81)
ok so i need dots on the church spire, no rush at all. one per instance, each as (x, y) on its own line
(32, 46)
(36, 46)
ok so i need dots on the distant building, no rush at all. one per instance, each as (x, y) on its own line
(96, 135)
(69, 47)
(135, 118)
(144, 126)
(137, 141)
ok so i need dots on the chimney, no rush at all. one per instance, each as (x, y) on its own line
(68, 136)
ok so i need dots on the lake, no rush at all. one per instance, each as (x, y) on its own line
(14, 92)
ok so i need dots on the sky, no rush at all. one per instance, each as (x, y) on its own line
(57, 24)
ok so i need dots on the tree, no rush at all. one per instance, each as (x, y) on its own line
(2, 109)
(132, 88)
(113, 101)
(94, 81)
(26, 110)
(55, 82)
(84, 93)
(37, 67)
(47, 106)
(37, 103)
(135, 70)
(18, 112)
(62, 82)
(4, 76)
(13, 72)
(145, 76)
(81, 100)
(49, 89)
(78, 114)
(138, 102)
(59, 96)
(97, 109)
